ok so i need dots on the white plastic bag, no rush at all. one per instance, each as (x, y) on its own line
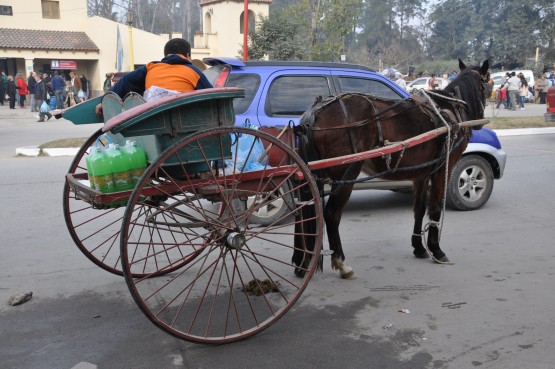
(246, 151)
(44, 107)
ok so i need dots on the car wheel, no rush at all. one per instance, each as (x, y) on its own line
(276, 207)
(471, 183)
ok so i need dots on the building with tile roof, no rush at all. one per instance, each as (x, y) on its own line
(49, 35)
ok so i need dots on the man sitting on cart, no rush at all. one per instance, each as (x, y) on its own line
(173, 74)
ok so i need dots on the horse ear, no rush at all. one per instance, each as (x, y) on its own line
(462, 66)
(485, 67)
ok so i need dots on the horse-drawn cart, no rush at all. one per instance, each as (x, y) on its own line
(195, 262)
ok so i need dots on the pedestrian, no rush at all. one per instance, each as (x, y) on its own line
(22, 90)
(31, 83)
(11, 90)
(401, 81)
(522, 90)
(175, 73)
(507, 76)
(85, 86)
(542, 88)
(58, 86)
(35, 102)
(107, 83)
(75, 88)
(502, 97)
(489, 91)
(432, 83)
(41, 96)
(513, 87)
(3, 87)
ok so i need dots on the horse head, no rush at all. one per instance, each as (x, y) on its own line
(470, 86)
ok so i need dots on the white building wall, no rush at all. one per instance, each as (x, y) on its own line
(223, 34)
(222, 37)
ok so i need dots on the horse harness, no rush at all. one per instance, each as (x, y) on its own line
(308, 151)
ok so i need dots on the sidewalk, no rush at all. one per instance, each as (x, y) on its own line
(24, 115)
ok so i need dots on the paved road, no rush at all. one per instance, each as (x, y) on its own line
(492, 309)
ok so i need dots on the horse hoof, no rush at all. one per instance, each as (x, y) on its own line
(299, 272)
(421, 255)
(442, 260)
(349, 275)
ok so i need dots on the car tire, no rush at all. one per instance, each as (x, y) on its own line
(471, 183)
(270, 213)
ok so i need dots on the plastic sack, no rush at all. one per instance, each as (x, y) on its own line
(44, 107)
(80, 94)
(155, 93)
(52, 102)
(246, 151)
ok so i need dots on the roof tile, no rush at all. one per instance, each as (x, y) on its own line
(13, 38)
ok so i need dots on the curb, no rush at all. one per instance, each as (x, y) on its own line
(36, 151)
(72, 151)
(524, 131)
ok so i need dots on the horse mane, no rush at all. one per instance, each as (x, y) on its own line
(470, 91)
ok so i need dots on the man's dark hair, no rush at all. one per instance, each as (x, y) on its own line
(177, 46)
(513, 74)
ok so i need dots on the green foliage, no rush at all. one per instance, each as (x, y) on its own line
(278, 38)
(439, 67)
(505, 31)
(382, 33)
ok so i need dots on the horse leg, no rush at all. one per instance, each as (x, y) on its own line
(420, 189)
(435, 209)
(332, 216)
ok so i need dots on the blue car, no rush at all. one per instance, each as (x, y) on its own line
(277, 92)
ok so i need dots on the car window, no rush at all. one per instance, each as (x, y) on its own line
(248, 82)
(290, 96)
(420, 81)
(367, 86)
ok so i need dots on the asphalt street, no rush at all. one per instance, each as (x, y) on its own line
(492, 309)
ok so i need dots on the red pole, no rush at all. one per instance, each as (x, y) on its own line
(246, 31)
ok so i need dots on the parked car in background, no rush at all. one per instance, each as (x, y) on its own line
(550, 103)
(422, 82)
(279, 92)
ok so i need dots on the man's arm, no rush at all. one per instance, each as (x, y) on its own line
(132, 82)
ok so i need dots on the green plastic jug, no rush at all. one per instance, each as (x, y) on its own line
(101, 171)
(119, 163)
(137, 160)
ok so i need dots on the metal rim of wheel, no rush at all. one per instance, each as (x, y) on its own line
(236, 277)
(94, 231)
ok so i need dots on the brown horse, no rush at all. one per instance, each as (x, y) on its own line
(353, 122)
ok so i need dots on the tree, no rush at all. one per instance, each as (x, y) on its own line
(277, 37)
(405, 11)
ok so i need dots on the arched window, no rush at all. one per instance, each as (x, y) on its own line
(251, 21)
(207, 23)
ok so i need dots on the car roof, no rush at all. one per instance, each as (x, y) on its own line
(278, 63)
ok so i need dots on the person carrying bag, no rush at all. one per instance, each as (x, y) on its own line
(42, 97)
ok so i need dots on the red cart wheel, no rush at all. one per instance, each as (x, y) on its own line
(236, 277)
(94, 231)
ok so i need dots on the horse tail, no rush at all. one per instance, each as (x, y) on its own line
(305, 220)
